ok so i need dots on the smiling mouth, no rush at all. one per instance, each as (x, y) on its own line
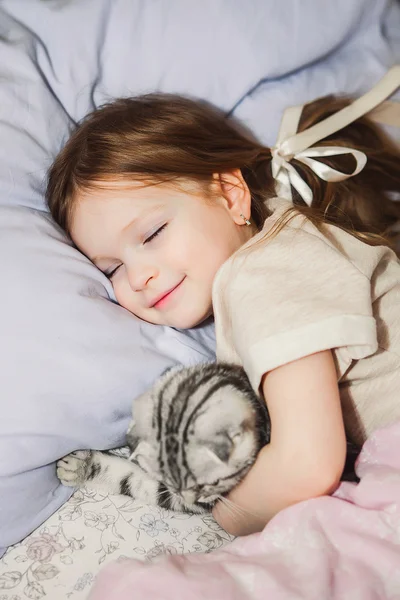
(165, 297)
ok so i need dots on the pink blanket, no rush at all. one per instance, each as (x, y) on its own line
(345, 546)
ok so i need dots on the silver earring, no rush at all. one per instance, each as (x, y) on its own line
(245, 220)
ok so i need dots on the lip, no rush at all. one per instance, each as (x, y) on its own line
(156, 303)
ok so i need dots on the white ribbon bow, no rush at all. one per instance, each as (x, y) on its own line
(297, 145)
(287, 176)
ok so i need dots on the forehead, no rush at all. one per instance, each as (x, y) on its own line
(108, 210)
(126, 196)
(104, 211)
(116, 198)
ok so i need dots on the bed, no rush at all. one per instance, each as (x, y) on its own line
(72, 360)
(62, 558)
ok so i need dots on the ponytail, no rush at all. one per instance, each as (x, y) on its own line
(158, 138)
(362, 204)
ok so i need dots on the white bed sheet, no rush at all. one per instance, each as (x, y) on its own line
(62, 557)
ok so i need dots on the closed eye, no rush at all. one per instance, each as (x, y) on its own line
(155, 234)
(110, 274)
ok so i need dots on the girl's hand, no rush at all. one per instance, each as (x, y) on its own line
(306, 455)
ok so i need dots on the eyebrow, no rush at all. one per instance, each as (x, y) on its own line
(134, 221)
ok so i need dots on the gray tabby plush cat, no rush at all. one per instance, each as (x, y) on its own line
(194, 436)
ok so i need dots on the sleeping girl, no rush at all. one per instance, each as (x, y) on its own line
(290, 249)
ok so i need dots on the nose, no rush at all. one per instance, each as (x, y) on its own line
(140, 275)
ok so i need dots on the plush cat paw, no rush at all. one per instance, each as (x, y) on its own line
(74, 469)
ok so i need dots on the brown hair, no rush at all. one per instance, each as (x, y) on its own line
(158, 138)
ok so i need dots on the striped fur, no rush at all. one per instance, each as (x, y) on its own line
(194, 436)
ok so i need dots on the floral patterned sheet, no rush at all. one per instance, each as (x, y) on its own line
(62, 557)
(343, 547)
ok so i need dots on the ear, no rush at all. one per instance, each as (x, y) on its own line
(142, 415)
(144, 455)
(220, 448)
(236, 194)
(236, 436)
(132, 439)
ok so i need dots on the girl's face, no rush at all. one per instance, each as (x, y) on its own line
(161, 246)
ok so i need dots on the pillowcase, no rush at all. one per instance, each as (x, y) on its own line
(71, 364)
(72, 361)
(92, 50)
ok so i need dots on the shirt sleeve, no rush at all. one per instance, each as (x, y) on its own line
(295, 295)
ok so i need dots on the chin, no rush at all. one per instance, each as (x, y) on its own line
(189, 321)
(178, 319)
(184, 324)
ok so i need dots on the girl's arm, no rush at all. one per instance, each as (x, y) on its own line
(306, 454)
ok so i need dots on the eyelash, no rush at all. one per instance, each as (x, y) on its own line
(111, 273)
(146, 241)
(155, 234)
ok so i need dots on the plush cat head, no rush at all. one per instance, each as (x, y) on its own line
(198, 431)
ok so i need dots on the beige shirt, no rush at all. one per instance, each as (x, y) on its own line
(302, 292)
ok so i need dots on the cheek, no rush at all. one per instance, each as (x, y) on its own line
(120, 291)
(220, 241)
(126, 298)
(124, 295)
(205, 251)
(213, 255)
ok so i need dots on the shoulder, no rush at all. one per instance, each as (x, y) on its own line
(299, 269)
(288, 246)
